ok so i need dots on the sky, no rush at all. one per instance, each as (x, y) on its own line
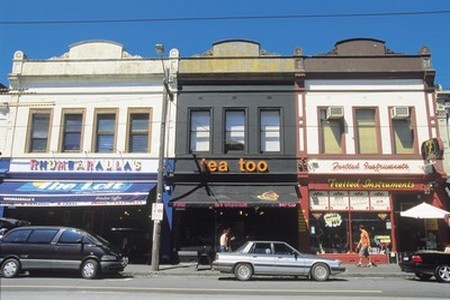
(46, 28)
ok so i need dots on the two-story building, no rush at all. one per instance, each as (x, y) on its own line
(235, 155)
(364, 113)
(82, 138)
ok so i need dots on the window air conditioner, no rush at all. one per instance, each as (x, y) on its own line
(335, 112)
(400, 112)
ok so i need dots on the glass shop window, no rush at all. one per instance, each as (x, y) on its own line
(377, 225)
(329, 232)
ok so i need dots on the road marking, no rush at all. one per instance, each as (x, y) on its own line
(159, 289)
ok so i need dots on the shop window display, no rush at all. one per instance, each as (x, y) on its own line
(338, 232)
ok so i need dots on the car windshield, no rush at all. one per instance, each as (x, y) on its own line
(97, 239)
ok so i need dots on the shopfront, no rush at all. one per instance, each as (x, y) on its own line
(339, 203)
(254, 204)
(110, 198)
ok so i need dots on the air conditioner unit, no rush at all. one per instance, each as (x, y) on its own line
(335, 112)
(400, 112)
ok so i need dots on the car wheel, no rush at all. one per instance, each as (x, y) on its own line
(320, 272)
(89, 269)
(243, 271)
(423, 277)
(442, 273)
(11, 268)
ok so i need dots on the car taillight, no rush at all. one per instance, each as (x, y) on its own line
(416, 259)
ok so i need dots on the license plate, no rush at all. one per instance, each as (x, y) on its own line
(406, 258)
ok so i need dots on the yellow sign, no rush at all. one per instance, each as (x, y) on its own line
(222, 166)
(370, 184)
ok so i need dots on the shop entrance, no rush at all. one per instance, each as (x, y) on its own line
(410, 232)
(200, 227)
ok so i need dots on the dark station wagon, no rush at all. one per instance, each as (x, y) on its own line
(58, 248)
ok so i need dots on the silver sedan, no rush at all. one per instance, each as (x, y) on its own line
(274, 258)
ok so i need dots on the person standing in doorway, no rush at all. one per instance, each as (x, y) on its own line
(225, 238)
(364, 247)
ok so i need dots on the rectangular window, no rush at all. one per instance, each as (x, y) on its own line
(200, 131)
(234, 130)
(139, 132)
(366, 131)
(105, 129)
(331, 133)
(270, 131)
(39, 131)
(72, 131)
(403, 136)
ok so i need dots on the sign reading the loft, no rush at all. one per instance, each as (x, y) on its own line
(316, 166)
(85, 165)
(222, 166)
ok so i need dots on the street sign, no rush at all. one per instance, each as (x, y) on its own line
(157, 211)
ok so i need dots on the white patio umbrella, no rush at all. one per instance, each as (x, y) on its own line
(425, 211)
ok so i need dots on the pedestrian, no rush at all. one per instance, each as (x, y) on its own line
(225, 239)
(364, 247)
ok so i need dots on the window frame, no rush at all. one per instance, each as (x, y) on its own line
(280, 129)
(412, 126)
(29, 143)
(71, 111)
(356, 128)
(224, 132)
(190, 131)
(143, 110)
(104, 111)
(322, 151)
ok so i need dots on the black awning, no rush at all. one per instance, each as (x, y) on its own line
(234, 196)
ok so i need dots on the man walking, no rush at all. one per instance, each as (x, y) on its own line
(364, 246)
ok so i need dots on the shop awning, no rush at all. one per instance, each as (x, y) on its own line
(74, 193)
(234, 196)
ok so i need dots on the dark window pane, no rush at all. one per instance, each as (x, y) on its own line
(39, 132)
(72, 132)
(19, 236)
(42, 236)
(71, 236)
(139, 132)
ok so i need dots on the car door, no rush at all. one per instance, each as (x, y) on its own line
(69, 250)
(40, 249)
(262, 258)
(288, 261)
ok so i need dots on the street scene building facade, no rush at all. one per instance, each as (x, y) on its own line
(365, 113)
(82, 137)
(296, 148)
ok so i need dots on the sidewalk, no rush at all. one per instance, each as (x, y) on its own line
(189, 269)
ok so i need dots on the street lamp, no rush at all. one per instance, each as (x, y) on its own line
(167, 94)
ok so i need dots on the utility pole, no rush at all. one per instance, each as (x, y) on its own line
(167, 95)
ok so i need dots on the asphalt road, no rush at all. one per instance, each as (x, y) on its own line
(218, 287)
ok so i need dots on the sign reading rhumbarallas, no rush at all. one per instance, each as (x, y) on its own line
(83, 165)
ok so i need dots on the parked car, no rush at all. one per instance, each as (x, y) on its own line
(58, 248)
(275, 258)
(426, 264)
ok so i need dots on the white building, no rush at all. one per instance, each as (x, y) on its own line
(83, 136)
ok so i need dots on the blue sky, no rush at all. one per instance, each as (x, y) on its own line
(406, 34)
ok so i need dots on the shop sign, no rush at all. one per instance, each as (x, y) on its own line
(338, 200)
(318, 200)
(432, 149)
(80, 165)
(244, 166)
(370, 184)
(318, 166)
(84, 165)
(332, 220)
(353, 200)
(359, 200)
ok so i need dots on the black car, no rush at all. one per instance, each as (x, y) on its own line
(58, 248)
(426, 264)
